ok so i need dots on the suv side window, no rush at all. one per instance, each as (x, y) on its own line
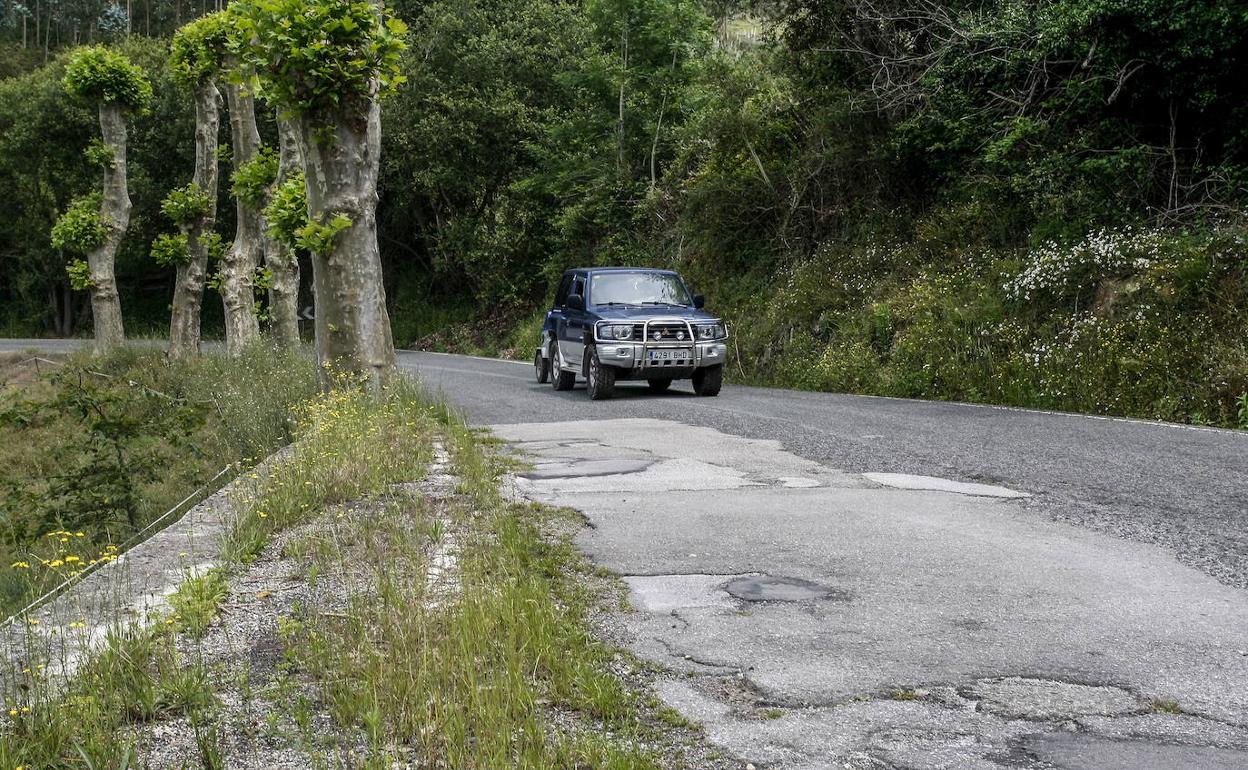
(578, 286)
(561, 296)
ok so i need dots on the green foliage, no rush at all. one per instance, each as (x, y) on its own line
(287, 212)
(106, 444)
(186, 205)
(43, 167)
(81, 229)
(321, 57)
(197, 53)
(79, 273)
(100, 154)
(95, 74)
(318, 237)
(171, 250)
(214, 245)
(251, 181)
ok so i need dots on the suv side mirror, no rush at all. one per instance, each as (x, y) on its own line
(699, 301)
(575, 301)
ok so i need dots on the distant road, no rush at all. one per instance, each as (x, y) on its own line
(1181, 487)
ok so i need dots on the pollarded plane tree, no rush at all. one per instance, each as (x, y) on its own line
(237, 277)
(281, 257)
(254, 185)
(196, 57)
(325, 64)
(287, 215)
(93, 226)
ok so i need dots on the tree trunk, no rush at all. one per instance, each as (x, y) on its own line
(352, 325)
(282, 260)
(115, 211)
(238, 266)
(188, 288)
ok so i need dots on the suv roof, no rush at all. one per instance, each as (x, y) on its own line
(619, 269)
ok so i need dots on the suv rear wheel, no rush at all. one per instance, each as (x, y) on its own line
(541, 368)
(599, 378)
(708, 380)
(559, 379)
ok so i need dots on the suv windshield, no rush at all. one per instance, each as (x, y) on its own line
(639, 288)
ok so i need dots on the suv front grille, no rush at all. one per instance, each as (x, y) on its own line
(665, 331)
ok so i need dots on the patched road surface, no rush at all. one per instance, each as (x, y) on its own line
(914, 613)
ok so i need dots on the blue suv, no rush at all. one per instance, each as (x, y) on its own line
(629, 323)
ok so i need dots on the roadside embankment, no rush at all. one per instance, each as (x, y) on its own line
(377, 600)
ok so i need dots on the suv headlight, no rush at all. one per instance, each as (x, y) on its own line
(617, 332)
(710, 331)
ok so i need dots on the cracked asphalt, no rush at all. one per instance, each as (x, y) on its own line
(815, 618)
(1055, 591)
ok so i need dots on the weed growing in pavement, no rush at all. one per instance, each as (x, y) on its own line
(500, 671)
(196, 602)
(136, 676)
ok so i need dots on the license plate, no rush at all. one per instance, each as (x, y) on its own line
(670, 355)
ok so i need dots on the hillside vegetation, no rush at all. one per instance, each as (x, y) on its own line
(94, 450)
(1028, 203)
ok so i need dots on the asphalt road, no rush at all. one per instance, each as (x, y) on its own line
(1180, 487)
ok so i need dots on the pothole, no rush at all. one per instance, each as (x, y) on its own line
(769, 588)
(1046, 699)
(585, 469)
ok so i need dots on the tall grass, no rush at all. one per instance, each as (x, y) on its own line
(106, 444)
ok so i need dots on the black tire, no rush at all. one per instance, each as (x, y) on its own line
(599, 378)
(559, 379)
(541, 368)
(659, 386)
(708, 380)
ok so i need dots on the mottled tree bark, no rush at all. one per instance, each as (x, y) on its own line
(281, 260)
(352, 325)
(115, 211)
(188, 289)
(238, 266)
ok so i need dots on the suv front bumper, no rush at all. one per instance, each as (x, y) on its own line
(636, 356)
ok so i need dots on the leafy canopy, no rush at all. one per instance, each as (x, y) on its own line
(80, 229)
(185, 205)
(318, 237)
(321, 57)
(171, 250)
(199, 48)
(287, 211)
(97, 74)
(252, 179)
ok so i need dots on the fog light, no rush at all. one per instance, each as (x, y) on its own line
(622, 352)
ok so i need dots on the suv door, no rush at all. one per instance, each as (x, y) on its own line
(572, 327)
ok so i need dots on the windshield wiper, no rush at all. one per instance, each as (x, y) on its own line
(617, 304)
(668, 304)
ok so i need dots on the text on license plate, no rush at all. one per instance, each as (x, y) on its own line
(669, 355)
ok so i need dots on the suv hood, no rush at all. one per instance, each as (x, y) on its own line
(645, 313)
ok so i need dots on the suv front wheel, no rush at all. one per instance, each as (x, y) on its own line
(708, 380)
(599, 378)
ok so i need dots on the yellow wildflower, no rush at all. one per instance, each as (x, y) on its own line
(21, 565)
